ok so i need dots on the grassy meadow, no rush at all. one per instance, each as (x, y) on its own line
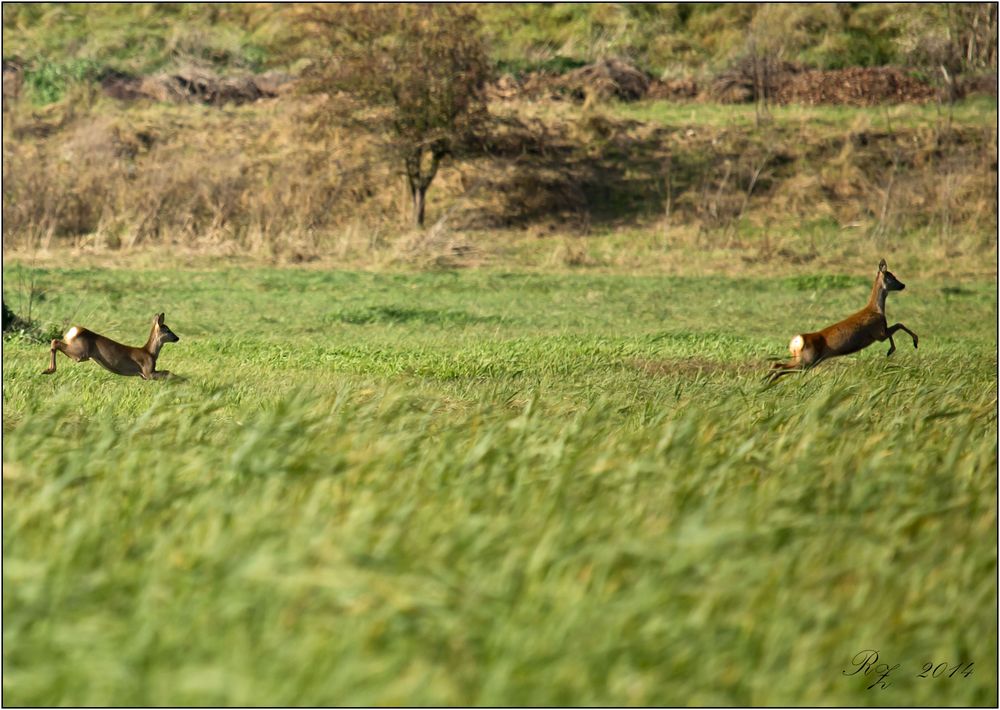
(556, 487)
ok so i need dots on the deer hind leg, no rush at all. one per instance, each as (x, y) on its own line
(74, 349)
(786, 368)
(804, 356)
(900, 326)
(67, 349)
(56, 345)
(794, 365)
(779, 369)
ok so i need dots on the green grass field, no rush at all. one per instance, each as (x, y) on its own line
(481, 487)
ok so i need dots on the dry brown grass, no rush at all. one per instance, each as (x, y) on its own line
(240, 178)
(558, 186)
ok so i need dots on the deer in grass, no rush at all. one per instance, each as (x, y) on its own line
(81, 344)
(850, 335)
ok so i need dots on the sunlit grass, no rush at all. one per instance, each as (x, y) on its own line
(497, 488)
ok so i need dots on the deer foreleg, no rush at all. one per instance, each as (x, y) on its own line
(900, 326)
(148, 371)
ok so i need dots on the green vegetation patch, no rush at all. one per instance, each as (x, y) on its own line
(47, 81)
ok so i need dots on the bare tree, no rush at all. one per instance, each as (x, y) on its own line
(417, 71)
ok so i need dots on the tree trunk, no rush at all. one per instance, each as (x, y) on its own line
(419, 181)
(419, 199)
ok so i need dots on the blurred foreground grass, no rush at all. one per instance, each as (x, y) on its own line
(497, 489)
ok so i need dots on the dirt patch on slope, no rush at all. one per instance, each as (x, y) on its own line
(195, 86)
(607, 79)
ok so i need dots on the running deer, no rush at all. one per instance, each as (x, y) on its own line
(82, 344)
(849, 335)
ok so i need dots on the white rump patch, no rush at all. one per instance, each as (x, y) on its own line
(71, 333)
(795, 347)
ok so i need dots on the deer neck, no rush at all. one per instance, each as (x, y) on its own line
(876, 301)
(153, 344)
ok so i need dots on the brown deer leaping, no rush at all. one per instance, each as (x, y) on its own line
(82, 344)
(849, 335)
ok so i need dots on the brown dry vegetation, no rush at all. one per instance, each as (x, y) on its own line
(265, 179)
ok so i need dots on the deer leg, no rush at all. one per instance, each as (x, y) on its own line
(779, 369)
(892, 345)
(148, 372)
(900, 326)
(65, 349)
(52, 357)
(800, 364)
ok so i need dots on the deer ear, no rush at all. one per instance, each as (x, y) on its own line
(882, 265)
(159, 319)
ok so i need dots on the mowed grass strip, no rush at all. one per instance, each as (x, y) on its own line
(501, 489)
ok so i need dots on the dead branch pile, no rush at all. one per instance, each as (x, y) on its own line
(855, 86)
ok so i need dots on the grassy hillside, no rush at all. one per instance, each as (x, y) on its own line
(663, 38)
(674, 37)
(497, 488)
